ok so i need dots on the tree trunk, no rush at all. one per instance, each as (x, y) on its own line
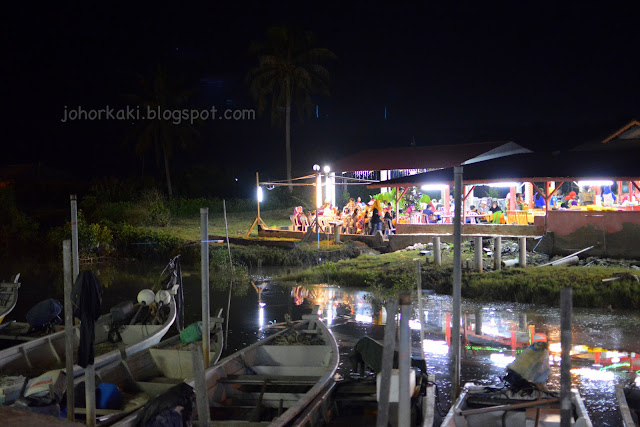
(287, 126)
(166, 172)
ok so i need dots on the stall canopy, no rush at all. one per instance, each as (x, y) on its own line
(427, 157)
(616, 165)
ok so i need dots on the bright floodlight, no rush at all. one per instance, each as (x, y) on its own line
(316, 167)
(428, 187)
(503, 184)
(595, 183)
(260, 195)
(327, 169)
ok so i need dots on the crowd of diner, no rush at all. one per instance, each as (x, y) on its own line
(357, 217)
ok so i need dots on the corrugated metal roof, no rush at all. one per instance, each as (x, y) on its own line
(425, 157)
(614, 165)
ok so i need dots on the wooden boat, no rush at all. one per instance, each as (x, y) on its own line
(274, 380)
(629, 403)
(113, 340)
(150, 372)
(493, 406)
(8, 296)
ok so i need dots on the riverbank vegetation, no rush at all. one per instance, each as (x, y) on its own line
(392, 273)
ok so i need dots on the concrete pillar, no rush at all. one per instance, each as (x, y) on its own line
(478, 253)
(479, 321)
(437, 253)
(522, 244)
(497, 253)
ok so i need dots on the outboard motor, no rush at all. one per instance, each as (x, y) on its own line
(44, 315)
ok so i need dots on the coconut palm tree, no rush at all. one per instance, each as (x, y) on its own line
(161, 134)
(289, 72)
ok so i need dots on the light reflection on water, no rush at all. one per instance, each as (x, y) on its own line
(603, 353)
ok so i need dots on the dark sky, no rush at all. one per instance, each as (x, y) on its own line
(541, 74)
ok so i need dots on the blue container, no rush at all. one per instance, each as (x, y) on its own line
(108, 396)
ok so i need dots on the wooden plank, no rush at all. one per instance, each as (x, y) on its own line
(627, 419)
(272, 380)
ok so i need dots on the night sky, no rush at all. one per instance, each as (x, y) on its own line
(543, 75)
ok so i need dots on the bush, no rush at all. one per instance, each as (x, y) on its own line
(137, 242)
(93, 239)
(14, 224)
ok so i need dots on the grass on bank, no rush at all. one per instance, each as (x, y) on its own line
(390, 273)
(188, 227)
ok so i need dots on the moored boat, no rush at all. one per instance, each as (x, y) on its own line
(274, 380)
(499, 406)
(8, 296)
(629, 404)
(126, 329)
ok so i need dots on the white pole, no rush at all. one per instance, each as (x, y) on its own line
(226, 228)
(566, 308)
(204, 268)
(74, 236)
(387, 362)
(404, 357)
(68, 327)
(202, 398)
(437, 253)
(420, 307)
(457, 279)
(90, 394)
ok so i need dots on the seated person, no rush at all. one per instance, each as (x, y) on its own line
(483, 210)
(495, 208)
(519, 202)
(473, 211)
(539, 202)
(427, 214)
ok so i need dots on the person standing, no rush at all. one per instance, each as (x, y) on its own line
(375, 221)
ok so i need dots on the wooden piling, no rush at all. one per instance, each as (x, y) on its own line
(204, 269)
(566, 311)
(478, 253)
(387, 363)
(437, 252)
(522, 245)
(497, 253)
(74, 237)
(68, 327)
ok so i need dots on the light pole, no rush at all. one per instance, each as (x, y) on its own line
(316, 168)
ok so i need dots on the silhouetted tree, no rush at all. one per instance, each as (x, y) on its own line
(160, 94)
(289, 72)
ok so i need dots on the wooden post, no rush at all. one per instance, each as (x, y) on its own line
(90, 394)
(204, 273)
(404, 358)
(387, 363)
(74, 237)
(447, 203)
(202, 398)
(478, 253)
(522, 245)
(566, 309)
(68, 327)
(226, 228)
(437, 253)
(497, 253)
(457, 281)
(420, 307)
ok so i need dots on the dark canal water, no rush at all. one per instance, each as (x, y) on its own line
(604, 342)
